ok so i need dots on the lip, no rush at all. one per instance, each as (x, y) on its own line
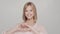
(29, 15)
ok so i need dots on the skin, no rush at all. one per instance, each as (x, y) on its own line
(27, 26)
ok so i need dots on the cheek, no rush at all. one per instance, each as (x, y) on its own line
(31, 13)
(26, 13)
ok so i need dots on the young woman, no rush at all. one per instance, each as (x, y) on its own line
(29, 25)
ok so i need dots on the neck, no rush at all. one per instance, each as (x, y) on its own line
(30, 22)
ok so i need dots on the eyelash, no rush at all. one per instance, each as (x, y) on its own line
(30, 10)
(25, 10)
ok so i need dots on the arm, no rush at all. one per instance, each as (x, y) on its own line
(33, 29)
(43, 30)
(12, 30)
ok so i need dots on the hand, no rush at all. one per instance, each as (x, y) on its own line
(24, 25)
(33, 29)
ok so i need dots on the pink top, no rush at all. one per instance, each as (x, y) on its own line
(35, 26)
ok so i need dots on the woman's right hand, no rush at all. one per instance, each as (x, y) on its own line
(23, 25)
(13, 30)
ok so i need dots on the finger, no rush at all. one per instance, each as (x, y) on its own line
(28, 25)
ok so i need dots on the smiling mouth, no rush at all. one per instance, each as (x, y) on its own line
(29, 15)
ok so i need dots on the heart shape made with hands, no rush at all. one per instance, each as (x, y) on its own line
(24, 25)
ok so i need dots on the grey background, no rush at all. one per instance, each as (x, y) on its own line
(48, 14)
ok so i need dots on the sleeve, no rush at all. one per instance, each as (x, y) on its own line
(43, 30)
(43, 33)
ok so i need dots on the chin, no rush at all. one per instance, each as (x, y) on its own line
(29, 17)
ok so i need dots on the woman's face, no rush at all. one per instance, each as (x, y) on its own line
(29, 13)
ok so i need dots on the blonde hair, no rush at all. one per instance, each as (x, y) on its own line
(25, 6)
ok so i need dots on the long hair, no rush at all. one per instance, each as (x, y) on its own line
(34, 8)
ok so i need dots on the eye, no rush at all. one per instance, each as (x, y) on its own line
(31, 10)
(26, 11)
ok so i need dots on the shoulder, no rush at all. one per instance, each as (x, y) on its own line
(41, 27)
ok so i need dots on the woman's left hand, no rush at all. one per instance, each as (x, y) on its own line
(42, 29)
(32, 29)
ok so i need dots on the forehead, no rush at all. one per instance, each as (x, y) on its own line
(29, 7)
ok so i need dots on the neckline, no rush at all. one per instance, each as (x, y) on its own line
(34, 25)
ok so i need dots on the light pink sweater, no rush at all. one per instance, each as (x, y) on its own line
(26, 32)
(37, 27)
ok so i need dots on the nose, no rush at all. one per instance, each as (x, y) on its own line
(29, 11)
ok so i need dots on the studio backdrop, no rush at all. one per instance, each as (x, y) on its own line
(11, 14)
